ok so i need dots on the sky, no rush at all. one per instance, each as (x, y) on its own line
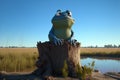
(25, 22)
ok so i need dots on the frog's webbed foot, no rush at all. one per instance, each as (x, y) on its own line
(57, 41)
(72, 42)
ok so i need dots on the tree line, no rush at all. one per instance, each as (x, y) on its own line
(112, 46)
(16, 47)
(105, 46)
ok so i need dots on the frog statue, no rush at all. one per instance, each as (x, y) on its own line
(51, 59)
(61, 30)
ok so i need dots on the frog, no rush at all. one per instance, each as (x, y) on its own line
(62, 28)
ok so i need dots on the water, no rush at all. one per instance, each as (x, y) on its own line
(103, 65)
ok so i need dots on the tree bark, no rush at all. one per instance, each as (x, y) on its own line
(51, 58)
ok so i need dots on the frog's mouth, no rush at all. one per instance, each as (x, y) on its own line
(65, 22)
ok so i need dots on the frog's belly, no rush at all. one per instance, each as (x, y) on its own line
(63, 34)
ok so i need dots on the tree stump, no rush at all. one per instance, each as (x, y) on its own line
(51, 58)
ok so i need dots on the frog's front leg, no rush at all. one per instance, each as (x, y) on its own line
(71, 40)
(53, 38)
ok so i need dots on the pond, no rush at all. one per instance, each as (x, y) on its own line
(103, 65)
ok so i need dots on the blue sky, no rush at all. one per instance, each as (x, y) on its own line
(24, 22)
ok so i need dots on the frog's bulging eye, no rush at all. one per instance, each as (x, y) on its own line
(69, 13)
(58, 12)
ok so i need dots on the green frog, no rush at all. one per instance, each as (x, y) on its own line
(61, 29)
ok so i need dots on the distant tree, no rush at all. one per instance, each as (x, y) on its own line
(118, 46)
(1, 46)
(115, 46)
(108, 46)
(96, 46)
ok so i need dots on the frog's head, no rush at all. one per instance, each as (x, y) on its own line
(63, 19)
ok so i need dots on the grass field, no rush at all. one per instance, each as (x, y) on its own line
(106, 50)
(17, 59)
(101, 52)
(23, 59)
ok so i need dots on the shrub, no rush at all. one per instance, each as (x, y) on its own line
(85, 72)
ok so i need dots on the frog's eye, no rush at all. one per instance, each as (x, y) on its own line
(58, 12)
(69, 13)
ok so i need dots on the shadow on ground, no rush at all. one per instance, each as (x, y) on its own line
(29, 76)
(18, 76)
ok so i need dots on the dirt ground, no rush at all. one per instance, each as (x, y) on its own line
(29, 76)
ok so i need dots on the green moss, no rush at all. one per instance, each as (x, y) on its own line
(65, 69)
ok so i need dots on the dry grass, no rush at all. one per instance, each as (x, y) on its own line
(17, 59)
(34, 50)
(23, 59)
(101, 52)
(18, 50)
(105, 50)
